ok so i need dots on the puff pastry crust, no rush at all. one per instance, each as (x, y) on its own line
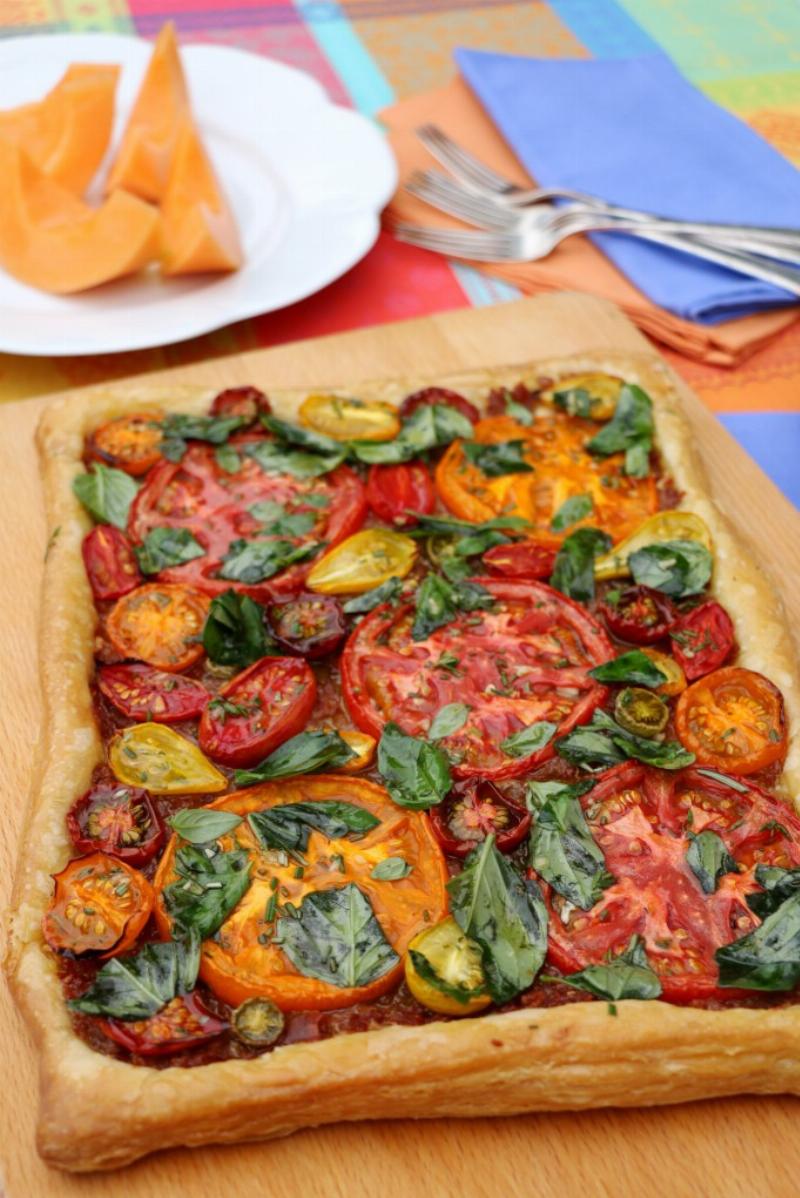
(570, 1057)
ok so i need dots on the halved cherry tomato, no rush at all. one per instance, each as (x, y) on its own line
(643, 820)
(131, 443)
(159, 624)
(471, 811)
(638, 614)
(310, 625)
(598, 400)
(347, 419)
(243, 959)
(395, 491)
(676, 679)
(118, 820)
(160, 760)
(521, 559)
(362, 745)
(521, 661)
(455, 960)
(703, 639)
(439, 395)
(362, 562)
(258, 710)
(185, 1022)
(218, 507)
(671, 525)
(733, 720)
(143, 693)
(247, 402)
(111, 566)
(100, 905)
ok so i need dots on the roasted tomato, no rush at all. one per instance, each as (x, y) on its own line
(100, 905)
(522, 661)
(703, 639)
(220, 508)
(183, 1023)
(118, 820)
(258, 710)
(638, 614)
(733, 720)
(159, 624)
(247, 402)
(521, 559)
(643, 819)
(439, 395)
(111, 566)
(395, 491)
(143, 693)
(244, 959)
(362, 562)
(311, 625)
(131, 443)
(554, 446)
(592, 395)
(450, 978)
(471, 811)
(676, 679)
(349, 419)
(160, 760)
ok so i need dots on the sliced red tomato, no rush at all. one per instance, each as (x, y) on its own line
(310, 625)
(186, 1022)
(521, 559)
(118, 820)
(159, 624)
(258, 710)
(143, 693)
(111, 565)
(214, 505)
(100, 905)
(439, 395)
(638, 614)
(521, 661)
(131, 443)
(471, 812)
(395, 491)
(247, 402)
(703, 639)
(643, 820)
(734, 720)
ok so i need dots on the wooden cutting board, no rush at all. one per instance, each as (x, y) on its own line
(738, 1148)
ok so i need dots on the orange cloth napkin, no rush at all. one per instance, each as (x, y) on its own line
(576, 264)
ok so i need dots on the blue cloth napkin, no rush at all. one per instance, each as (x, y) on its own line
(635, 132)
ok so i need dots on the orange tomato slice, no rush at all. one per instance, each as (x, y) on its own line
(100, 905)
(161, 624)
(130, 443)
(733, 720)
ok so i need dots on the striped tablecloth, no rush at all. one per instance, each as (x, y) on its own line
(367, 53)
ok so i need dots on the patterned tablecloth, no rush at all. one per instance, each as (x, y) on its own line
(367, 53)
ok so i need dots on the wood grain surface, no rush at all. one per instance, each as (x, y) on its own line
(739, 1148)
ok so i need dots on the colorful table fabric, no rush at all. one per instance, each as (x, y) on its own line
(369, 53)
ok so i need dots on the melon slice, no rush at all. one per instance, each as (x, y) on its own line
(144, 158)
(67, 133)
(198, 229)
(52, 240)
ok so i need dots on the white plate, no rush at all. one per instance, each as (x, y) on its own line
(306, 180)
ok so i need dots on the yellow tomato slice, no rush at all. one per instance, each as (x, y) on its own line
(349, 419)
(664, 526)
(456, 961)
(160, 760)
(362, 562)
(593, 395)
(676, 679)
(362, 745)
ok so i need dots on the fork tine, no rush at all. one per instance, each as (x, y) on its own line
(454, 156)
(487, 247)
(457, 201)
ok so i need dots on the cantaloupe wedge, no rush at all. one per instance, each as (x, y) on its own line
(52, 240)
(198, 229)
(66, 134)
(144, 158)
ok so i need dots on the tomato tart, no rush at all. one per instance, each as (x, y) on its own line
(426, 750)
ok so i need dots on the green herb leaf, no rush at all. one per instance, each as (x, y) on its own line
(447, 661)
(779, 885)
(289, 825)
(275, 458)
(417, 775)
(335, 937)
(210, 883)
(505, 915)
(214, 429)
(429, 427)
(731, 783)
(630, 431)
(709, 860)
(427, 972)
(227, 459)
(604, 742)
(386, 592)
(277, 522)
(589, 748)
(576, 401)
(499, 458)
(448, 719)
(676, 568)
(634, 668)
(391, 869)
(140, 986)
(201, 825)
(234, 633)
(573, 573)
(306, 753)
(576, 508)
(627, 976)
(767, 958)
(562, 848)
(529, 740)
(164, 547)
(450, 526)
(106, 494)
(518, 411)
(253, 561)
(438, 603)
(306, 438)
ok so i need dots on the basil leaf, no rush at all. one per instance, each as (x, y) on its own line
(731, 783)
(450, 526)
(253, 561)
(391, 869)
(306, 438)
(417, 775)
(289, 825)
(210, 883)
(529, 740)
(709, 860)
(627, 976)
(426, 971)
(576, 401)
(214, 429)
(604, 742)
(386, 592)
(277, 522)
(498, 458)
(573, 509)
(429, 427)
(767, 958)
(589, 748)
(201, 825)
(165, 546)
(274, 458)
(630, 431)
(305, 753)
(779, 885)
(227, 459)
(504, 915)
(438, 603)
(573, 573)
(676, 568)
(518, 412)
(139, 986)
(234, 633)
(448, 719)
(634, 668)
(335, 937)
(106, 494)
(562, 848)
